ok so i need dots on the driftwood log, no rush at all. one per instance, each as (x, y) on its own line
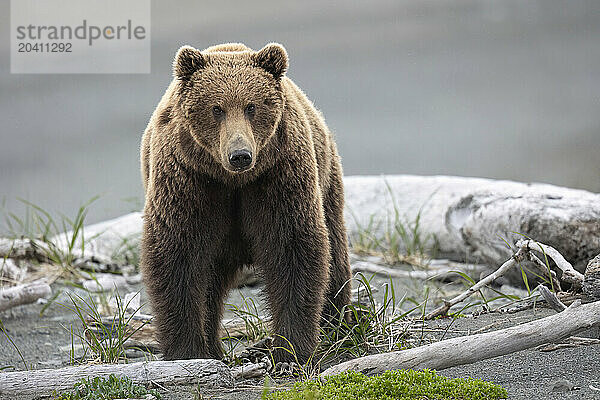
(469, 217)
(23, 294)
(106, 282)
(441, 273)
(23, 248)
(104, 239)
(208, 373)
(469, 349)
(10, 272)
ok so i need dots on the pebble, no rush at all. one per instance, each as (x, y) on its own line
(562, 385)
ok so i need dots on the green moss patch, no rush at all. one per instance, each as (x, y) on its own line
(105, 389)
(391, 385)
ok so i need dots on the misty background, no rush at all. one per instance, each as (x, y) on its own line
(496, 88)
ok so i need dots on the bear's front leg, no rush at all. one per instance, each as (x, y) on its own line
(181, 245)
(284, 218)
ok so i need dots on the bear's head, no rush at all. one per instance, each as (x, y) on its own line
(232, 101)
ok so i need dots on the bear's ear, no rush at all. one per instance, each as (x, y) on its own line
(273, 58)
(187, 61)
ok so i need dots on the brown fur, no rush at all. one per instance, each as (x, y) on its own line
(203, 220)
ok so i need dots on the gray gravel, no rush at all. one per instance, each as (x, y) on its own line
(561, 374)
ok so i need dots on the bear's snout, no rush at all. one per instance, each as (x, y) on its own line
(240, 159)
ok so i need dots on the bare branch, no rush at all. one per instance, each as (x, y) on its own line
(551, 298)
(569, 274)
(443, 310)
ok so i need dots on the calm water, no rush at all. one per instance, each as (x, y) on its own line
(502, 89)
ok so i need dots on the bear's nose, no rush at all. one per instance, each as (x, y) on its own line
(240, 159)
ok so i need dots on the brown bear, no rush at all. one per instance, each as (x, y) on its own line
(239, 168)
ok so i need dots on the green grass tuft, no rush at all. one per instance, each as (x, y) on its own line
(99, 388)
(101, 342)
(41, 227)
(391, 385)
(398, 241)
(247, 311)
(374, 327)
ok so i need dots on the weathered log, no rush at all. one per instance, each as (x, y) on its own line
(469, 349)
(11, 272)
(591, 279)
(23, 248)
(208, 373)
(104, 239)
(440, 273)
(249, 371)
(23, 294)
(469, 217)
(106, 282)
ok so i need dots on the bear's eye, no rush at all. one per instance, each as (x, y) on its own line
(217, 111)
(250, 109)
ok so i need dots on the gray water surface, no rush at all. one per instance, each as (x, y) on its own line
(501, 89)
